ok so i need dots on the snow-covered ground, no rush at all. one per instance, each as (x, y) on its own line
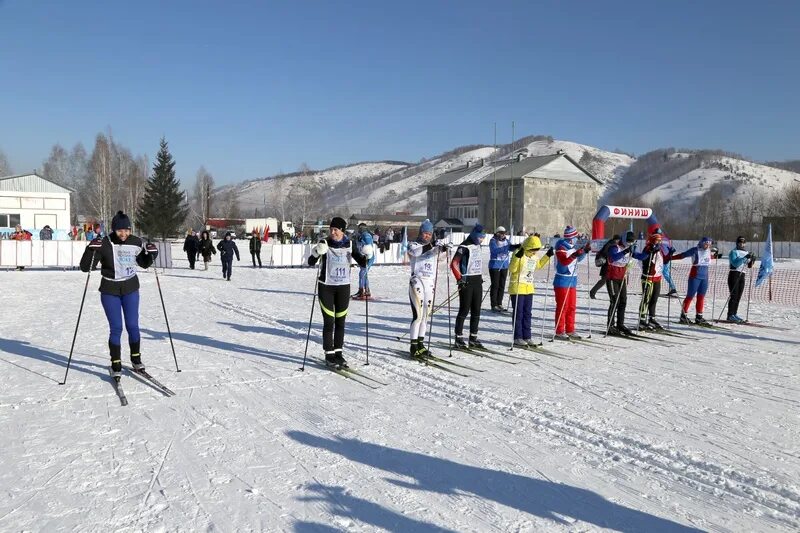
(632, 436)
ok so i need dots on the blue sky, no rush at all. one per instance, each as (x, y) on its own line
(249, 89)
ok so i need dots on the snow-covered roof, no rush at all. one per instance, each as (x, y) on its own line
(30, 183)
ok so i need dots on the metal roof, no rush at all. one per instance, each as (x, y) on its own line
(30, 183)
(451, 176)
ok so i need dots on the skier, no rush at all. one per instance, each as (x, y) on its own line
(118, 255)
(565, 282)
(654, 257)
(499, 255)
(698, 280)
(206, 248)
(467, 268)
(601, 260)
(524, 263)
(190, 245)
(739, 260)
(423, 254)
(255, 248)
(335, 254)
(366, 246)
(227, 248)
(619, 257)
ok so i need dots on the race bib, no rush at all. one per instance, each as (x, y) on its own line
(338, 267)
(125, 261)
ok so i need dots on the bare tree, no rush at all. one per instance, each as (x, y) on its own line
(231, 203)
(201, 198)
(101, 183)
(5, 166)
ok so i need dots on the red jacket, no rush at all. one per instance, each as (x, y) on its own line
(23, 235)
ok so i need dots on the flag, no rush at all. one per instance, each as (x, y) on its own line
(766, 268)
(266, 233)
(404, 245)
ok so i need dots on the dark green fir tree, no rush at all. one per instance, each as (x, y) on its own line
(163, 209)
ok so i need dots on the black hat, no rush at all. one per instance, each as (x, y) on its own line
(740, 239)
(120, 221)
(338, 223)
(630, 237)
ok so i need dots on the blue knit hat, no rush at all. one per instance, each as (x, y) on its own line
(570, 232)
(477, 232)
(426, 226)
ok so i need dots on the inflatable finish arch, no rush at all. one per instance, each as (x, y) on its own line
(613, 211)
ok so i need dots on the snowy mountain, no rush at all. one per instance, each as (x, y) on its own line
(393, 186)
(677, 180)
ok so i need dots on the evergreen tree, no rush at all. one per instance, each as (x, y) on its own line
(163, 209)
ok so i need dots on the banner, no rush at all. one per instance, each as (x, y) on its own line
(767, 266)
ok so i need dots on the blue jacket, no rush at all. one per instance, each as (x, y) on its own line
(364, 239)
(499, 254)
(567, 259)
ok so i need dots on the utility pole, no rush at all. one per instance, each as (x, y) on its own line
(511, 223)
(494, 175)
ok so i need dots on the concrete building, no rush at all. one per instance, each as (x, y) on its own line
(530, 194)
(33, 202)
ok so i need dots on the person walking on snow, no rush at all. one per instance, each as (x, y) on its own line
(467, 268)
(255, 248)
(366, 246)
(523, 264)
(698, 279)
(740, 259)
(654, 257)
(206, 248)
(118, 255)
(423, 255)
(565, 282)
(619, 257)
(335, 255)
(190, 245)
(499, 256)
(227, 248)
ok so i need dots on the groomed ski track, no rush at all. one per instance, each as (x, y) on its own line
(641, 437)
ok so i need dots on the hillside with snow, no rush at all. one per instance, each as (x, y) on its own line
(391, 186)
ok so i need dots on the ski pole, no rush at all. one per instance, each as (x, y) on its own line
(669, 308)
(435, 281)
(589, 296)
(166, 319)
(714, 290)
(366, 311)
(310, 318)
(544, 307)
(719, 318)
(516, 302)
(449, 316)
(80, 312)
(749, 291)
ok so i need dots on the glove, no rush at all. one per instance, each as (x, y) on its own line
(460, 283)
(321, 248)
(519, 253)
(95, 243)
(750, 256)
(587, 247)
(151, 249)
(550, 252)
(368, 250)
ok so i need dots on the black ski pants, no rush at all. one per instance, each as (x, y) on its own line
(650, 292)
(254, 256)
(334, 301)
(227, 266)
(601, 282)
(618, 293)
(192, 257)
(736, 286)
(498, 278)
(469, 303)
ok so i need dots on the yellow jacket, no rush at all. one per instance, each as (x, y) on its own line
(522, 267)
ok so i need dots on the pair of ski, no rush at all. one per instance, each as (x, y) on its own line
(752, 324)
(488, 353)
(352, 374)
(540, 349)
(143, 376)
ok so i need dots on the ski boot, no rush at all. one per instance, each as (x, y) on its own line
(561, 337)
(574, 336)
(459, 343)
(116, 369)
(625, 330)
(700, 321)
(339, 359)
(475, 343)
(330, 359)
(413, 349)
(424, 352)
(673, 294)
(136, 362)
(367, 294)
(655, 325)
(684, 319)
(359, 295)
(613, 332)
(735, 319)
(520, 343)
(644, 325)
(593, 295)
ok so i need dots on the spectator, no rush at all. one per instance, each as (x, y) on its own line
(46, 234)
(206, 248)
(191, 246)
(255, 248)
(21, 234)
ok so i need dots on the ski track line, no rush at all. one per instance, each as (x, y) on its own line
(154, 478)
(36, 491)
(649, 455)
